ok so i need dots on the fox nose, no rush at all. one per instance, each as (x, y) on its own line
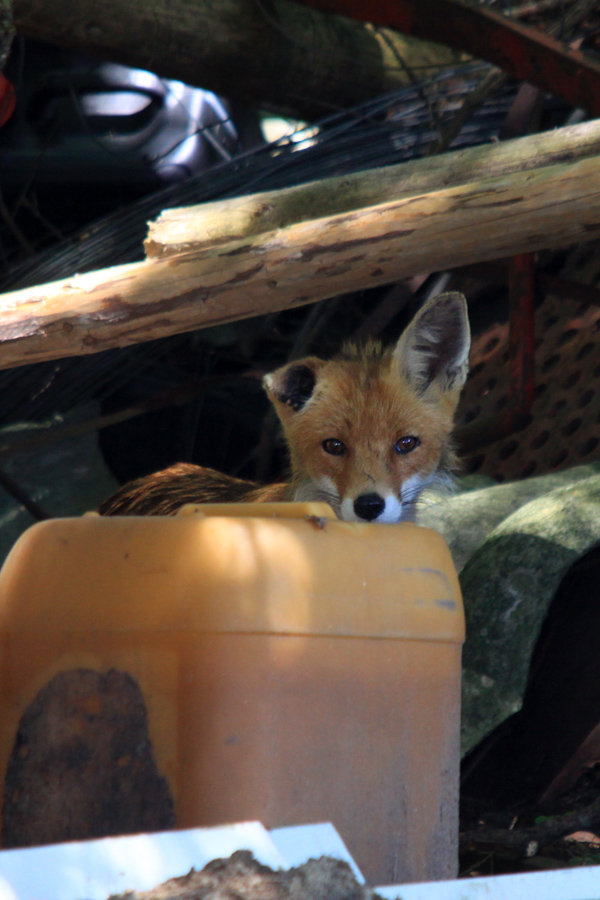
(368, 506)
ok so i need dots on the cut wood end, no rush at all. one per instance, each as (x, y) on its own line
(182, 229)
(158, 250)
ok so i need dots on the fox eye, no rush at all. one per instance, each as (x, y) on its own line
(334, 447)
(407, 444)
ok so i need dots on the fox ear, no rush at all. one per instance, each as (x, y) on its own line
(293, 384)
(435, 346)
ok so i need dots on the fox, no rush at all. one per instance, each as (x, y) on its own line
(367, 431)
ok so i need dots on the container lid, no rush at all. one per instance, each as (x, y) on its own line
(309, 575)
(280, 510)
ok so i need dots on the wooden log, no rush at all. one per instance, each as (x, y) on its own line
(307, 261)
(524, 53)
(191, 227)
(269, 53)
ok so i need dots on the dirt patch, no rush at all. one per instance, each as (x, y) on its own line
(241, 877)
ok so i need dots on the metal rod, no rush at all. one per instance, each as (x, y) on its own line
(521, 339)
(521, 333)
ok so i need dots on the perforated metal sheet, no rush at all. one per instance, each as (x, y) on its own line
(565, 428)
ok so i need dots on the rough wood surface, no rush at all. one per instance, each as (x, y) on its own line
(189, 227)
(268, 53)
(307, 261)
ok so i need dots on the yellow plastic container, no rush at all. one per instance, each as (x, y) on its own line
(293, 670)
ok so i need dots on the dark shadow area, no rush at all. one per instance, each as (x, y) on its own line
(515, 765)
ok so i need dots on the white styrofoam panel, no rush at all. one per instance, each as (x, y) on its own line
(92, 870)
(557, 884)
(298, 843)
(95, 869)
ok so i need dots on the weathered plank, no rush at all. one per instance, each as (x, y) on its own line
(307, 261)
(191, 227)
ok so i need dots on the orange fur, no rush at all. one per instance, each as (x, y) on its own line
(367, 400)
(364, 404)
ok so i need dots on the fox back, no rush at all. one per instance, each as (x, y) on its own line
(367, 431)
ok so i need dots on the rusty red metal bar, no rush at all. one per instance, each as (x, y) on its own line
(497, 271)
(522, 52)
(521, 333)
(521, 344)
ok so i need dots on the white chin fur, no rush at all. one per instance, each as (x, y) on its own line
(413, 486)
(392, 511)
(321, 489)
(347, 513)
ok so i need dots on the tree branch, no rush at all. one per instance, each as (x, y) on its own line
(529, 841)
(305, 261)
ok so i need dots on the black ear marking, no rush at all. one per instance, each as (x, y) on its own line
(293, 385)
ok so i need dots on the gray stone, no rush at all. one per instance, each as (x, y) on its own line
(466, 519)
(508, 585)
(66, 478)
(512, 544)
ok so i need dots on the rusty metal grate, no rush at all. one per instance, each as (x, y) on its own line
(565, 426)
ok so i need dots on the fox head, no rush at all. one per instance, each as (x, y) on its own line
(369, 429)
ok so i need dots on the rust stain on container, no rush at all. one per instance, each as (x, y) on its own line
(291, 673)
